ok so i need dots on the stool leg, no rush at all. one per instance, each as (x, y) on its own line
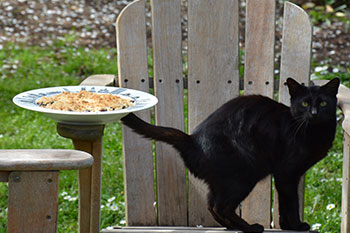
(96, 181)
(90, 187)
(84, 200)
(33, 202)
(87, 138)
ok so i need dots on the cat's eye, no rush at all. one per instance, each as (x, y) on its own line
(323, 103)
(304, 104)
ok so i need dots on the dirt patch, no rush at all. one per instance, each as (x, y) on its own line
(91, 24)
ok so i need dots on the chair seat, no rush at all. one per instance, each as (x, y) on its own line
(31, 160)
(186, 229)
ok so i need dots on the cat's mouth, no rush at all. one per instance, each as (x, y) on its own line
(315, 119)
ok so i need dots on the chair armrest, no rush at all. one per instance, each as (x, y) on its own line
(344, 103)
(99, 80)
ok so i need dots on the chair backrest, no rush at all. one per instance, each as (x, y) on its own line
(161, 193)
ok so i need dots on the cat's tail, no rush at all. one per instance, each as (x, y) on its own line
(178, 139)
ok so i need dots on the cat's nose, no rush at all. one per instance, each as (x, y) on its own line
(313, 111)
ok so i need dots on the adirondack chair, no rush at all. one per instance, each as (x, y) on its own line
(179, 201)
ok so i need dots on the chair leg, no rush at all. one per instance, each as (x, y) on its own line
(33, 201)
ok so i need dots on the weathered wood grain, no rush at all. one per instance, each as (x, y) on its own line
(344, 103)
(345, 208)
(259, 47)
(295, 63)
(4, 176)
(80, 132)
(38, 193)
(84, 178)
(187, 229)
(138, 158)
(90, 187)
(213, 76)
(168, 86)
(99, 80)
(296, 48)
(43, 159)
(96, 182)
(26, 160)
(87, 138)
(258, 75)
(256, 208)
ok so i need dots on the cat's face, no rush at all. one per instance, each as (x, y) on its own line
(314, 104)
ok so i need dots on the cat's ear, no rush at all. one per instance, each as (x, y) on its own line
(331, 88)
(294, 87)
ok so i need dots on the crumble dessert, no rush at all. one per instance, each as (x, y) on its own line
(84, 101)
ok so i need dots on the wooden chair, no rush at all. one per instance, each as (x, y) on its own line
(213, 78)
(33, 186)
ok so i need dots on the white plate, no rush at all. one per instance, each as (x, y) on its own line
(142, 100)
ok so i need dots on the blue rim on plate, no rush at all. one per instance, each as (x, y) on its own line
(142, 100)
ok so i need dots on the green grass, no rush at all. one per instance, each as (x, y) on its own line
(23, 68)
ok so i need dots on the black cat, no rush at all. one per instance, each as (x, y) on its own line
(249, 138)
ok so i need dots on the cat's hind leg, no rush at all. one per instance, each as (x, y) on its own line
(223, 209)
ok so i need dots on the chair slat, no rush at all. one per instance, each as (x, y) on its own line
(296, 48)
(258, 75)
(345, 220)
(259, 47)
(138, 158)
(256, 208)
(295, 63)
(213, 71)
(168, 84)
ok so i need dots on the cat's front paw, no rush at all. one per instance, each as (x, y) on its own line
(303, 227)
(255, 228)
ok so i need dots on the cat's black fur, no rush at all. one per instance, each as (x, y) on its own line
(249, 138)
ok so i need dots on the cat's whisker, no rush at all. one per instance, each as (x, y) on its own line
(300, 126)
(296, 124)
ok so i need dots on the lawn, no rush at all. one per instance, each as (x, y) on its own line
(23, 68)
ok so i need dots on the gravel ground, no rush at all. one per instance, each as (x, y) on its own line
(91, 24)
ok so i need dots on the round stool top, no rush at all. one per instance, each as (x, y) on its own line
(44, 159)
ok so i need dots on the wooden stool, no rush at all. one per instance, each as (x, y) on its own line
(87, 138)
(33, 185)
